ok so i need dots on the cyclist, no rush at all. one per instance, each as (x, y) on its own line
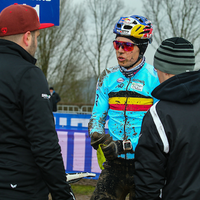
(124, 94)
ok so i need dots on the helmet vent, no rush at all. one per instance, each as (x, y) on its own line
(144, 32)
(118, 25)
(127, 27)
(138, 28)
(139, 19)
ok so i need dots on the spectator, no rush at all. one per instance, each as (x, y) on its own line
(167, 155)
(31, 164)
(124, 94)
(55, 98)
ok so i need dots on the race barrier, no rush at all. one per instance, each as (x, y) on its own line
(78, 155)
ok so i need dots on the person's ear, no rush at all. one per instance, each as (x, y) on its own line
(27, 38)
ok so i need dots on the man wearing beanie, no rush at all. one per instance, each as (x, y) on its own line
(167, 155)
(124, 95)
(31, 164)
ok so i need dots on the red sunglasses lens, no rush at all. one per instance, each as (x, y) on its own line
(126, 46)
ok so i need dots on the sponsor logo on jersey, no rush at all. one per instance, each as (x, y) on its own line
(137, 86)
(120, 80)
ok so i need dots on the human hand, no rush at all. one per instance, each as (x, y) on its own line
(98, 138)
(112, 149)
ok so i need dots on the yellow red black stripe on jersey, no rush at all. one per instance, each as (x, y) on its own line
(131, 101)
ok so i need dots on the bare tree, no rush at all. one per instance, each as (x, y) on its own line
(102, 15)
(174, 18)
(59, 54)
(73, 54)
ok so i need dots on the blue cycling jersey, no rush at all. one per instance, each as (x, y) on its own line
(125, 101)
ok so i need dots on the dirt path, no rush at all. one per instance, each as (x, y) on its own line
(82, 197)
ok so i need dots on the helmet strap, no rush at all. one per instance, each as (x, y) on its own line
(139, 57)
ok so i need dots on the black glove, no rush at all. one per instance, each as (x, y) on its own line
(98, 138)
(112, 150)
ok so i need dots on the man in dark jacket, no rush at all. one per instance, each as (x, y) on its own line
(31, 164)
(55, 98)
(167, 155)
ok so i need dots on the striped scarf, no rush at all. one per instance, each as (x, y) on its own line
(131, 72)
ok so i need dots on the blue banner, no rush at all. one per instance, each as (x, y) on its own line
(78, 155)
(48, 10)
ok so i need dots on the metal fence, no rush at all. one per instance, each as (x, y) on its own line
(73, 109)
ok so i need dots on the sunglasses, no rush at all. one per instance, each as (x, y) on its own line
(126, 46)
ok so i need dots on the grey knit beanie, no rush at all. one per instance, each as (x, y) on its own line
(175, 56)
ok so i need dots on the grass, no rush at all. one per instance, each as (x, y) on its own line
(82, 189)
(85, 190)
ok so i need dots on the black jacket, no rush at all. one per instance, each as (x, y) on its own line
(31, 164)
(167, 154)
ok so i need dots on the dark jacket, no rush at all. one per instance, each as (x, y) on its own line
(167, 154)
(31, 164)
(55, 98)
